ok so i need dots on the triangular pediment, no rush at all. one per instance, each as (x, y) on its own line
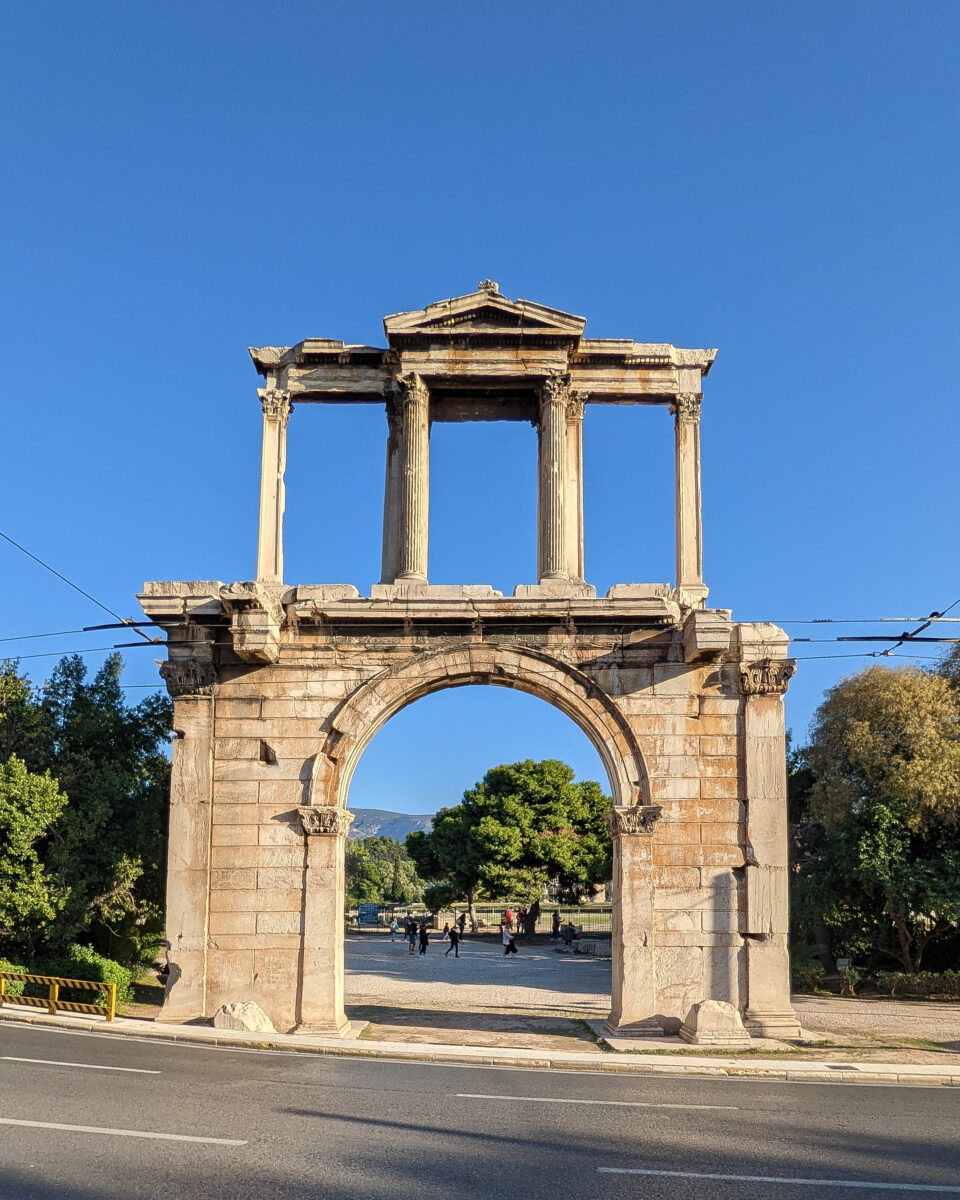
(484, 312)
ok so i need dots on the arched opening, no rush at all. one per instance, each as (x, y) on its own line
(424, 756)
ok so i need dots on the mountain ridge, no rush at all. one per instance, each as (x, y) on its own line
(382, 822)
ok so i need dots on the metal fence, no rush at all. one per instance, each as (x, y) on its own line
(591, 918)
(52, 1002)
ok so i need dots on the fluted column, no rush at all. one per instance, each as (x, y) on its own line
(390, 560)
(414, 478)
(277, 407)
(552, 533)
(574, 486)
(689, 518)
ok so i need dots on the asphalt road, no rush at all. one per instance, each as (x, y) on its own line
(197, 1123)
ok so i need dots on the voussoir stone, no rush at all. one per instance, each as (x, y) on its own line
(246, 1015)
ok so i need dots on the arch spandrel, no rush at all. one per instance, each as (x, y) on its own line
(369, 708)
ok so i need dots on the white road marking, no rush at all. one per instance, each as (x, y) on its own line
(137, 1133)
(55, 1062)
(576, 1100)
(820, 1183)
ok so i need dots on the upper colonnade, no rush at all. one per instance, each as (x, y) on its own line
(484, 357)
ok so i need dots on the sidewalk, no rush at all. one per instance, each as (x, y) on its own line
(644, 1056)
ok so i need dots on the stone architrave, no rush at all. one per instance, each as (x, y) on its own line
(277, 406)
(633, 987)
(321, 992)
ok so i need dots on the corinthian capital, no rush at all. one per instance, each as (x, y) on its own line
(686, 407)
(411, 389)
(188, 677)
(325, 819)
(275, 403)
(556, 388)
(639, 819)
(769, 676)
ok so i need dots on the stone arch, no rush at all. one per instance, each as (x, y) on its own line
(368, 709)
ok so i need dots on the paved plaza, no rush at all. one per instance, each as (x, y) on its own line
(480, 998)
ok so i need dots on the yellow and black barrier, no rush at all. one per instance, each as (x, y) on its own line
(53, 1003)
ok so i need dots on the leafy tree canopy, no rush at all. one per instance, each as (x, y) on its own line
(380, 871)
(105, 851)
(890, 736)
(522, 826)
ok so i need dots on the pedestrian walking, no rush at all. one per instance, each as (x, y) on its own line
(394, 929)
(411, 933)
(508, 919)
(461, 921)
(555, 931)
(424, 938)
(454, 936)
(506, 936)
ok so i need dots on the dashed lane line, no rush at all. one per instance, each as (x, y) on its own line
(578, 1100)
(868, 1185)
(54, 1062)
(135, 1133)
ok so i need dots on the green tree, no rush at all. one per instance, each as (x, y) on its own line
(524, 825)
(30, 899)
(379, 870)
(107, 851)
(881, 861)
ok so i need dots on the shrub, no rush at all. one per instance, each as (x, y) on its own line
(849, 978)
(807, 974)
(919, 983)
(83, 962)
(14, 986)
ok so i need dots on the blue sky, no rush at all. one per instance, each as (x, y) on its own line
(778, 181)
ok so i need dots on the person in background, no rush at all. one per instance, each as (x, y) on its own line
(506, 936)
(424, 938)
(454, 936)
(461, 921)
(411, 933)
(555, 929)
(394, 929)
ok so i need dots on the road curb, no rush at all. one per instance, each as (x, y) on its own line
(619, 1064)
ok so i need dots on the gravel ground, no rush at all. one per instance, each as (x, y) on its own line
(536, 997)
(542, 998)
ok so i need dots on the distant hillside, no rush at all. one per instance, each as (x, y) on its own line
(379, 822)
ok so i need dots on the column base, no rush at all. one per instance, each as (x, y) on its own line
(547, 589)
(339, 1028)
(649, 1027)
(781, 1023)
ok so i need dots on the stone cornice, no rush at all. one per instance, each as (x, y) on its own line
(325, 820)
(639, 819)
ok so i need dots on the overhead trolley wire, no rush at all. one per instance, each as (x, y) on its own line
(76, 587)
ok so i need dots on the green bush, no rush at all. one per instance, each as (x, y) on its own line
(14, 987)
(83, 962)
(807, 974)
(849, 978)
(919, 983)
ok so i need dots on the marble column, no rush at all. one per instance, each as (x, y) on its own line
(574, 486)
(414, 478)
(633, 985)
(277, 407)
(390, 560)
(320, 1003)
(193, 687)
(552, 530)
(768, 1012)
(689, 517)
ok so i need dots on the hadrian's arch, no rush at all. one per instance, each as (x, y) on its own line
(278, 687)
